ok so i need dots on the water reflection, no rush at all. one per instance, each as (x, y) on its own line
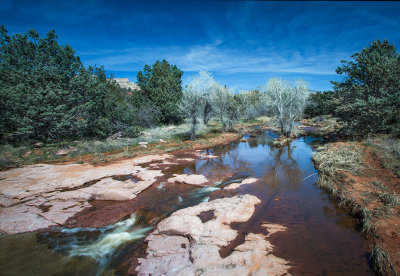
(282, 172)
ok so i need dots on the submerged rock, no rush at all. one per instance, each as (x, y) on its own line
(233, 186)
(192, 179)
(183, 245)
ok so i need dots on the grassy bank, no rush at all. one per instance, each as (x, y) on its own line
(363, 177)
(154, 140)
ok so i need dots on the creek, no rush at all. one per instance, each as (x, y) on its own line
(321, 238)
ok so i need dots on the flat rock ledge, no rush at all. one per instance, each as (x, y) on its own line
(41, 196)
(184, 245)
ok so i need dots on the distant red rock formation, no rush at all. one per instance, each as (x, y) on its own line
(125, 83)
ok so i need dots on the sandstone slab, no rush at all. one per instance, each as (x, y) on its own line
(183, 245)
(40, 196)
(28, 219)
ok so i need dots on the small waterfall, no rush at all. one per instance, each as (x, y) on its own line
(103, 249)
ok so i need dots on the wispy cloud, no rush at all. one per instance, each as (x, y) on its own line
(213, 58)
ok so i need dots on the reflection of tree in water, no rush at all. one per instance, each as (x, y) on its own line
(227, 161)
(283, 171)
(259, 140)
(253, 143)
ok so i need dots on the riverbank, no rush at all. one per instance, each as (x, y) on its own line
(363, 177)
(151, 141)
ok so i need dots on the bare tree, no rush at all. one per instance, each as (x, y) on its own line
(226, 108)
(287, 103)
(193, 100)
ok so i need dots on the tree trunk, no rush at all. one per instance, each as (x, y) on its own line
(223, 124)
(206, 113)
(193, 130)
(282, 125)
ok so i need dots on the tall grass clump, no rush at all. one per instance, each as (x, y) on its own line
(343, 158)
(337, 159)
(380, 261)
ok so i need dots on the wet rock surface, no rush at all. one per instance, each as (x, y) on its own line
(244, 182)
(192, 179)
(41, 196)
(184, 245)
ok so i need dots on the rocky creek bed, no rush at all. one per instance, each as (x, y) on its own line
(247, 207)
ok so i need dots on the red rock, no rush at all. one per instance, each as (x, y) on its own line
(183, 245)
(237, 185)
(21, 218)
(192, 179)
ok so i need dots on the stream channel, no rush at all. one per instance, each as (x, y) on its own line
(321, 239)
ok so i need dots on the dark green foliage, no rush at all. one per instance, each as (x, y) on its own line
(47, 94)
(369, 98)
(118, 108)
(320, 103)
(161, 87)
(147, 115)
(132, 132)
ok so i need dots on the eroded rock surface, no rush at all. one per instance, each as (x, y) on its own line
(183, 245)
(40, 196)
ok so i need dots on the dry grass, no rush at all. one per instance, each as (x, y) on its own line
(389, 149)
(344, 158)
(380, 261)
(362, 191)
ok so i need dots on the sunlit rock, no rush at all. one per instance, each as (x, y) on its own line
(183, 245)
(233, 186)
(192, 179)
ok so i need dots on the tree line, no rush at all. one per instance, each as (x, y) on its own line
(47, 94)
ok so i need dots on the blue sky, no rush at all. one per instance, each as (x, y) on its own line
(242, 43)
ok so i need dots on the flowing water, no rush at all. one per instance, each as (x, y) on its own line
(321, 239)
